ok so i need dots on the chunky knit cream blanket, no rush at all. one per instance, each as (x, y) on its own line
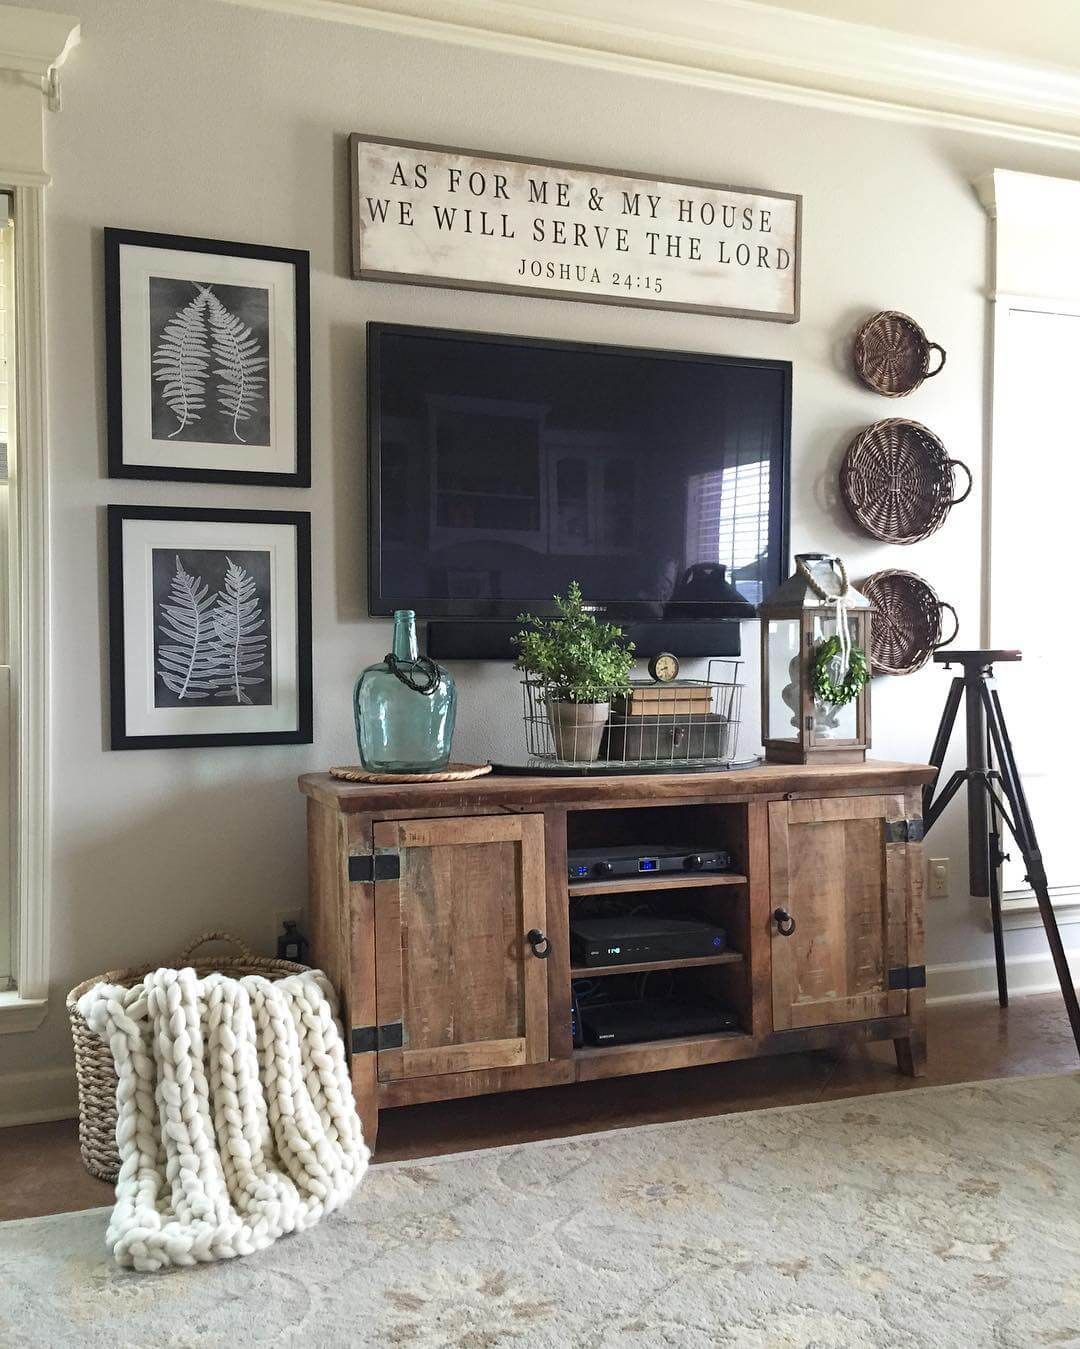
(236, 1122)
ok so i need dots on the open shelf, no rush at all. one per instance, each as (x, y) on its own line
(674, 1043)
(593, 1061)
(655, 881)
(646, 966)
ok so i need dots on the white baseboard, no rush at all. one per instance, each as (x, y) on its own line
(38, 1096)
(974, 980)
(49, 1093)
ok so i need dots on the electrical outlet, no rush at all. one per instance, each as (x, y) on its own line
(939, 878)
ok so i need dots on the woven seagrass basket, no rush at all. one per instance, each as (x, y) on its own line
(94, 1066)
(892, 354)
(897, 481)
(906, 628)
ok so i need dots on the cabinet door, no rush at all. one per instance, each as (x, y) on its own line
(845, 885)
(454, 965)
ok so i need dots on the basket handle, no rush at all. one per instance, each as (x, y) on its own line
(192, 947)
(944, 641)
(959, 463)
(934, 346)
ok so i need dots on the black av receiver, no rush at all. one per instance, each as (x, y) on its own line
(622, 1023)
(637, 939)
(611, 863)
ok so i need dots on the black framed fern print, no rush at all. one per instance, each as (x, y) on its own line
(208, 360)
(209, 627)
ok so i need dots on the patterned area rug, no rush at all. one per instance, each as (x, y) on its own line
(940, 1217)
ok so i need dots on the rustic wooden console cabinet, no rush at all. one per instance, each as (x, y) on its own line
(422, 898)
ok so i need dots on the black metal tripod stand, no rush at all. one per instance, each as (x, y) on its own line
(994, 794)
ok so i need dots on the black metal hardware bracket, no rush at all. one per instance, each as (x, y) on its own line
(907, 976)
(371, 1039)
(904, 831)
(382, 866)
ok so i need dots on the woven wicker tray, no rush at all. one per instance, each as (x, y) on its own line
(897, 481)
(455, 772)
(892, 354)
(906, 629)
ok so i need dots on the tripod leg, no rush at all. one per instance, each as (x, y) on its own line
(994, 881)
(995, 916)
(933, 813)
(1024, 831)
(941, 740)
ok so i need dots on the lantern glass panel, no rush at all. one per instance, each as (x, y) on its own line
(830, 722)
(784, 651)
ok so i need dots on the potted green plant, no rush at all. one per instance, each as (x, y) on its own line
(580, 664)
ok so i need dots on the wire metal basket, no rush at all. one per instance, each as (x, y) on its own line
(689, 721)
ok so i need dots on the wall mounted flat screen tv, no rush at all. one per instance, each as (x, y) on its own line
(501, 468)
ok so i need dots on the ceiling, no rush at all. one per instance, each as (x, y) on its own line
(1038, 30)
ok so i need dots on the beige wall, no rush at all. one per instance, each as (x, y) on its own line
(209, 119)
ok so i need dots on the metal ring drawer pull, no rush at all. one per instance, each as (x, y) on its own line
(785, 924)
(540, 945)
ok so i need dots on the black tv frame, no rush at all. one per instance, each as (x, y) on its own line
(504, 612)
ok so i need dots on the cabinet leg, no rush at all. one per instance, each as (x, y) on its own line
(370, 1120)
(911, 1053)
(365, 1093)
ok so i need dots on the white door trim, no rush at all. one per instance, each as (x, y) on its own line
(30, 615)
(35, 43)
(1030, 214)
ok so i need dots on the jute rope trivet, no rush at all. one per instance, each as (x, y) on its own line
(455, 772)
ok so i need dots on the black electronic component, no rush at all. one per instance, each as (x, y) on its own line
(575, 1019)
(637, 939)
(610, 863)
(470, 415)
(619, 1023)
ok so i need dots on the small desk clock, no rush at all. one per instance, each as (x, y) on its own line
(664, 667)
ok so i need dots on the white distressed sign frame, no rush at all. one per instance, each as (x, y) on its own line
(433, 215)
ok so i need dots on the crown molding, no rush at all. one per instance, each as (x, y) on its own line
(744, 47)
(35, 43)
(35, 40)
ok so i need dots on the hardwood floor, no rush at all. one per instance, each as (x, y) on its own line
(41, 1170)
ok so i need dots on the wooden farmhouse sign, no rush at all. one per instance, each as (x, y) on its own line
(434, 216)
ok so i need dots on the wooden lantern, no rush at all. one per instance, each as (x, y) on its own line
(813, 605)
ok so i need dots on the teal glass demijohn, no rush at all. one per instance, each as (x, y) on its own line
(405, 708)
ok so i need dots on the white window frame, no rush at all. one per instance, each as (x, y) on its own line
(34, 44)
(7, 435)
(24, 1008)
(1033, 218)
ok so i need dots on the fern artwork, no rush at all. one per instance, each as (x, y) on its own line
(211, 628)
(209, 362)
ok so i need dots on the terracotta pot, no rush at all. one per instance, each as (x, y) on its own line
(578, 729)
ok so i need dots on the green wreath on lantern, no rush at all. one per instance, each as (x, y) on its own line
(825, 688)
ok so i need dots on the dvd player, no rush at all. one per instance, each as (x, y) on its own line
(620, 1023)
(635, 939)
(636, 860)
